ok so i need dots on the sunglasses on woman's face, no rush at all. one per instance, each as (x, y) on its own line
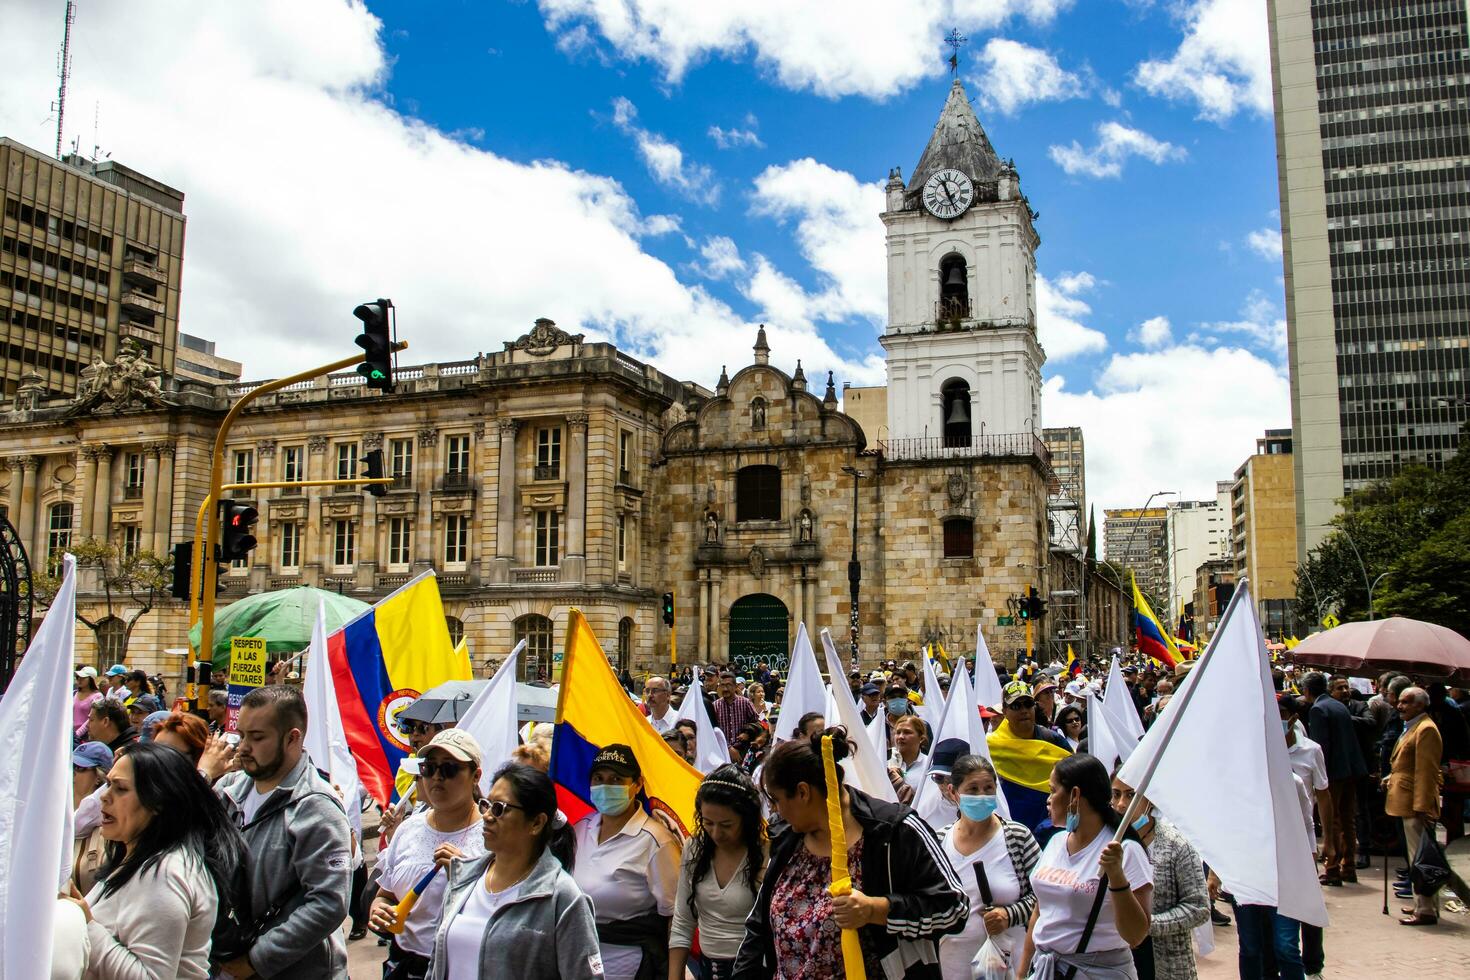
(446, 769)
(497, 808)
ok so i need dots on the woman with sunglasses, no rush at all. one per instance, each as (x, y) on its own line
(1070, 721)
(515, 910)
(449, 773)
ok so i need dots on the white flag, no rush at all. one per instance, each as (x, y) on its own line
(1220, 771)
(932, 710)
(961, 720)
(1118, 703)
(326, 737)
(1101, 744)
(804, 688)
(711, 748)
(987, 682)
(878, 734)
(35, 788)
(867, 769)
(493, 719)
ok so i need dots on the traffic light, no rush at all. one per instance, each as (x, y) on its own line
(377, 343)
(1033, 605)
(1023, 605)
(373, 470)
(668, 609)
(236, 541)
(183, 570)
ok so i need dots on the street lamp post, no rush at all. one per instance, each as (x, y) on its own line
(1370, 594)
(1361, 567)
(854, 570)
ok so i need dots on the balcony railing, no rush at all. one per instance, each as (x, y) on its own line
(144, 271)
(952, 308)
(132, 493)
(1010, 444)
(456, 480)
(140, 302)
(625, 478)
(402, 481)
(545, 472)
(545, 573)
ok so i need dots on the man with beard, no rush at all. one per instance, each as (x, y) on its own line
(297, 838)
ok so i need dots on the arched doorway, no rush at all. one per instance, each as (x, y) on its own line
(759, 631)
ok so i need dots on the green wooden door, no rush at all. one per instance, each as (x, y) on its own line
(759, 631)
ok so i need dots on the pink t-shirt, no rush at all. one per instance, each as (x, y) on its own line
(81, 707)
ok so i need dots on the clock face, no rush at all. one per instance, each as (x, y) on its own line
(948, 194)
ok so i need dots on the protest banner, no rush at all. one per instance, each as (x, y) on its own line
(247, 672)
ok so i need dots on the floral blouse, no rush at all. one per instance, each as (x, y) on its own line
(808, 941)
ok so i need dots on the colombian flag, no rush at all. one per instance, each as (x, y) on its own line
(1074, 666)
(593, 711)
(381, 662)
(1024, 766)
(1153, 639)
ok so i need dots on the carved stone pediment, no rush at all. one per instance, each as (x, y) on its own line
(543, 338)
(128, 383)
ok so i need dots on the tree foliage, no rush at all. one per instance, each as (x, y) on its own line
(129, 585)
(1408, 538)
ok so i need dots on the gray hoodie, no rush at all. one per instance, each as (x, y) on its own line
(301, 867)
(547, 932)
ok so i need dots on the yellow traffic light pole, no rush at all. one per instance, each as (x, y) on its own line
(202, 577)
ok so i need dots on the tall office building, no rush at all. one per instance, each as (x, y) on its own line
(1373, 158)
(91, 253)
(1138, 540)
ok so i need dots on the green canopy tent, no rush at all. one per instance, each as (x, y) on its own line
(285, 618)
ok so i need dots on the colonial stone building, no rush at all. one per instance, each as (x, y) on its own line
(558, 473)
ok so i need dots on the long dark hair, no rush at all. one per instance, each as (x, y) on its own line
(799, 760)
(185, 815)
(535, 793)
(728, 786)
(1062, 715)
(1087, 773)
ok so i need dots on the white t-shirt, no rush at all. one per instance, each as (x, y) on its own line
(1307, 761)
(956, 951)
(634, 871)
(467, 929)
(1304, 799)
(405, 861)
(1066, 885)
(251, 805)
(666, 723)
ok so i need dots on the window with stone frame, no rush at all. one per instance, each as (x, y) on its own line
(344, 543)
(622, 543)
(290, 536)
(58, 529)
(536, 631)
(457, 456)
(625, 643)
(548, 538)
(758, 493)
(346, 461)
(400, 542)
(132, 540)
(548, 453)
(455, 627)
(456, 539)
(112, 641)
(959, 537)
(625, 457)
(400, 462)
(133, 480)
(293, 464)
(244, 465)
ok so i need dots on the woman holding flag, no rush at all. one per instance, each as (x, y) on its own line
(904, 893)
(411, 865)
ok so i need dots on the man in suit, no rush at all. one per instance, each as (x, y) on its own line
(1413, 785)
(1330, 726)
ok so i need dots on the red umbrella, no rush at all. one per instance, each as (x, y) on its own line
(1396, 643)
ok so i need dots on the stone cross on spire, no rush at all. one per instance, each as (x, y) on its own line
(954, 39)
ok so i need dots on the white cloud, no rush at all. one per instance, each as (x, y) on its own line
(1163, 420)
(265, 129)
(1223, 63)
(1261, 322)
(1058, 317)
(1115, 144)
(662, 224)
(721, 258)
(873, 48)
(1265, 242)
(736, 137)
(1015, 74)
(664, 159)
(1154, 332)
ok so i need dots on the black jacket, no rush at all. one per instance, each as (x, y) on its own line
(1330, 726)
(902, 861)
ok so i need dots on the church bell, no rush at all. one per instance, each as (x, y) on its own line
(957, 413)
(955, 278)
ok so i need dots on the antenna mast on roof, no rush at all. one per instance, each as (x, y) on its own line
(63, 69)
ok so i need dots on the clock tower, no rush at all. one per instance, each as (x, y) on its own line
(964, 364)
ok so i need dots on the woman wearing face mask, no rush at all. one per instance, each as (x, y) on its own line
(628, 864)
(515, 910)
(905, 895)
(1180, 901)
(721, 872)
(449, 778)
(993, 859)
(1081, 868)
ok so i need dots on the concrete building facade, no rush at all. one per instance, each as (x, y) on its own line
(1263, 530)
(1137, 539)
(1373, 161)
(1195, 532)
(91, 254)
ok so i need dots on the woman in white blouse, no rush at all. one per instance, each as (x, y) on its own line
(171, 852)
(720, 875)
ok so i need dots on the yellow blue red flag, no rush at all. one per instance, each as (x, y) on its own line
(592, 712)
(381, 662)
(1024, 766)
(1153, 639)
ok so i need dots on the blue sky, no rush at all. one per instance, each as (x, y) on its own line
(668, 174)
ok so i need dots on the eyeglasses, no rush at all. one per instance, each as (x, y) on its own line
(446, 769)
(1021, 704)
(654, 690)
(939, 778)
(416, 727)
(497, 808)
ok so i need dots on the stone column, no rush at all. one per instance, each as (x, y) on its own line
(505, 504)
(31, 527)
(423, 523)
(102, 502)
(163, 525)
(574, 562)
(313, 555)
(799, 580)
(89, 488)
(701, 638)
(370, 532)
(715, 646)
(150, 496)
(23, 497)
(17, 486)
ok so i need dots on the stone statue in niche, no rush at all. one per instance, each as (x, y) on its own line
(805, 528)
(758, 414)
(711, 528)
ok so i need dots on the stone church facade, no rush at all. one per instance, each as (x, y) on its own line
(559, 473)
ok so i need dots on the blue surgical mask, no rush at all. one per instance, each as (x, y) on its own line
(978, 807)
(611, 799)
(1071, 820)
(898, 706)
(1141, 823)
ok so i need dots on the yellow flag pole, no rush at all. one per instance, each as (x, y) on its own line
(852, 950)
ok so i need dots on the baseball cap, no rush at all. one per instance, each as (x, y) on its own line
(458, 743)
(877, 675)
(945, 754)
(1046, 684)
(620, 760)
(92, 755)
(145, 703)
(154, 719)
(116, 670)
(1130, 669)
(88, 671)
(869, 690)
(1014, 691)
(1077, 689)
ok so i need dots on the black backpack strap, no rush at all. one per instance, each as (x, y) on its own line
(983, 882)
(1102, 889)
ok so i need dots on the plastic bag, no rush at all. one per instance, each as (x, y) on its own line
(990, 963)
